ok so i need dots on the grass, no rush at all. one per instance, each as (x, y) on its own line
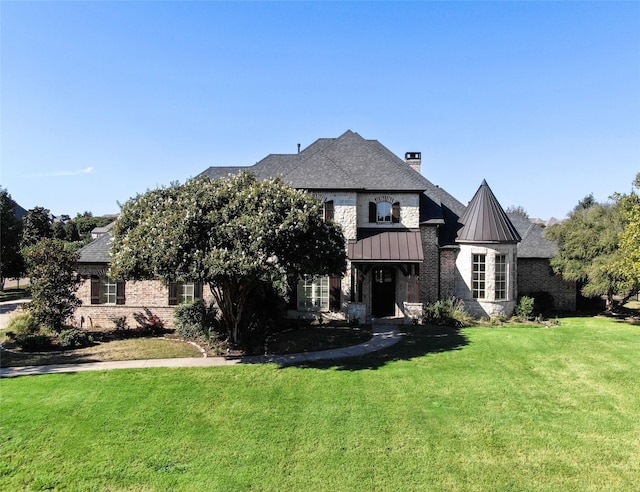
(517, 408)
(134, 348)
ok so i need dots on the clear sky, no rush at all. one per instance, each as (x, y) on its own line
(104, 100)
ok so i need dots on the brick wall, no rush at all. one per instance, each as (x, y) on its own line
(535, 275)
(152, 295)
(447, 273)
(430, 268)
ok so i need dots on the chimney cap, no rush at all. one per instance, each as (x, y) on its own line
(412, 155)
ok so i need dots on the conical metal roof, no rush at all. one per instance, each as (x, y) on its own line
(485, 221)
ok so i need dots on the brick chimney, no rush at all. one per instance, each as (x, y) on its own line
(414, 159)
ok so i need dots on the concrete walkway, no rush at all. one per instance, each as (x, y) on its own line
(384, 335)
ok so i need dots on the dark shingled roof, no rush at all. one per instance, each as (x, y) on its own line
(348, 162)
(97, 251)
(485, 221)
(533, 244)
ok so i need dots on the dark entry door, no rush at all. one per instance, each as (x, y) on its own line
(383, 292)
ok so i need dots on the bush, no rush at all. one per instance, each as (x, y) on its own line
(33, 342)
(447, 312)
(23, 324)
(72, 338)
(194, 319)
(524, 309)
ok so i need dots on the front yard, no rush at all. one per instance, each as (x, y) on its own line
(517, 407)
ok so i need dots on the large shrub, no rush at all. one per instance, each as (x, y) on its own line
(447, 312)
(194, 319)
(525, 307)
(73, 338)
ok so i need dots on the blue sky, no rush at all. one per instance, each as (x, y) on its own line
(104, 100)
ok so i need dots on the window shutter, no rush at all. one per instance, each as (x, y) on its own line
(120, 298)
(335, 290)
(293, 295)
(95, 290)
(173, 294)
(373, 212)
(197, 290)
(395, 213)
(328, 210)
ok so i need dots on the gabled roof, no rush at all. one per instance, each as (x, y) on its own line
(533, 244)
(98, 250)
(485, 221)
(347, 162)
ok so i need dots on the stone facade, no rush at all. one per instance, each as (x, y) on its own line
(489, 305)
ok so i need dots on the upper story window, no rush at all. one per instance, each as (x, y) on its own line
(183, 292)
(328, 210)
(384, 212)
(107, 291)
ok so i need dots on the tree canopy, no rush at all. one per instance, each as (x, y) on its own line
(54, 281)
(36, 225)
(234, 234)
(629, 264)
(11, 262)
(588, 248)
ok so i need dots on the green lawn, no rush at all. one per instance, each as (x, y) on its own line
(518, 408)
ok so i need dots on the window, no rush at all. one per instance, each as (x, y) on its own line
(384, 212)
(183, 292)
(501, 277)
(107, 291)
(313, 294)
(479, 272)
(328, 210)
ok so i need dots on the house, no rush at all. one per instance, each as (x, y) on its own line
(409, 241)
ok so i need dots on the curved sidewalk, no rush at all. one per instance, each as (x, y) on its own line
(384, 335)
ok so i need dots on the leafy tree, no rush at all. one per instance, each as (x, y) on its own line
(588, 249)
(71, 231)
(54, 281)
(630, 238)
(86, 222)
(236, 234)
(11, 262)
(36, 225)
(58, 231)
(519, 210)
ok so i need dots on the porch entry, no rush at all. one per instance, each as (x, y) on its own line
(383, 292)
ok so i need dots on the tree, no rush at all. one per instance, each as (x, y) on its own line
(11, 262)
(630, 238)
(588, 249)
(36, 225)
(519, 210)
(54, 282)
(236, 234)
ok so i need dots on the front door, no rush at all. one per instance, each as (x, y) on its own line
(383, 292)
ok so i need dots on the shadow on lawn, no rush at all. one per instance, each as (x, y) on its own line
(415, 341)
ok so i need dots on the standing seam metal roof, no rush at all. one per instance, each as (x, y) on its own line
(485, 221)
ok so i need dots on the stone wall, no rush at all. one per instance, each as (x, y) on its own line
(489, 306)
(535, 275)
